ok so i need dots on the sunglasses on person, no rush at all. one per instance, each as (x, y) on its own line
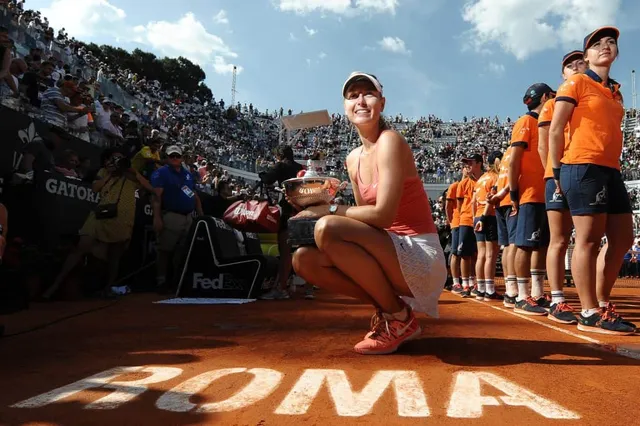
(175, 156)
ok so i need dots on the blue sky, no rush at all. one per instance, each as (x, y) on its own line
(445, 57)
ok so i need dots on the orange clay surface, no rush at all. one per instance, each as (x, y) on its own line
(291, 363)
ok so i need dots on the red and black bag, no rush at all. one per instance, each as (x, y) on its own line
(253, 216)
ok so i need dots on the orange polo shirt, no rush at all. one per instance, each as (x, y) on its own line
(482, 189)
(531, 180)
(465, 193)
(595, 136)
(452, 197)
(503, 177)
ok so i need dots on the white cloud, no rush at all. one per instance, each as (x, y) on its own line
(308, 62)
(188, 38)
(523, 27)
(395, 45)
(88, 17)
(339, 7)
(310, 31)
(322, 55)
(497, 69)
(221, 66)
(221, 17)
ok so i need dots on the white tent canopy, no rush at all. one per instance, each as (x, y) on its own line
(306, 120)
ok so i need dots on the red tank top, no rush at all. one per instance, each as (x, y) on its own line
(414, 212)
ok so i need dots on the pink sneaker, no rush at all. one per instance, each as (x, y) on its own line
(388, 335)
(375, 319)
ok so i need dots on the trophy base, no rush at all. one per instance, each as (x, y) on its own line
(301, 232)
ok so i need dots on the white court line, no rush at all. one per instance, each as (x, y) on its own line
(606, 346)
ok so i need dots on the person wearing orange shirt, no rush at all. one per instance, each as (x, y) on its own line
(560, 225)
(466, 238)
(453, 217)
(507, 224)
(486, 230)
(587, 171)
(526, 186)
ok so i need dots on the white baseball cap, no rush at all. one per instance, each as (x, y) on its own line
(174, 149)
(361, 76)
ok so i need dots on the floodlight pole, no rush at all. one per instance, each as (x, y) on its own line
(634, 94)
(233, 86)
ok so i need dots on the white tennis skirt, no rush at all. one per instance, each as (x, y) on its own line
(424, 268)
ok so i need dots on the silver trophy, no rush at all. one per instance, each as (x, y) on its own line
(310, 190)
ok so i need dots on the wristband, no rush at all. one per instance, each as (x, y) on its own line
(556, 173)
(515, 195)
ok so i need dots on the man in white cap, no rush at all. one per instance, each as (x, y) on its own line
(174, 202)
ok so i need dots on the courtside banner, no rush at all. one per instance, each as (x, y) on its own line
(63, 203)
(18, 129)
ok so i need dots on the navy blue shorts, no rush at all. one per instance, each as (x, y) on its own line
(466, 241)
(489, 229)
(455, 237)
(533, 227)
(503, 232)
(554, 200)
(591, 189)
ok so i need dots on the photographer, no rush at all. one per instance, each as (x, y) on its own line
(110, 226)
(285, 168)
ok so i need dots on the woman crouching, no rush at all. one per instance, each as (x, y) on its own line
(384, 251)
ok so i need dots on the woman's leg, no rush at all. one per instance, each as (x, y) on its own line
(560, 226)
(589, 232)
(490, 259)
(481, 260)
(114, 254)
(84, 246)
(316, 268)
(367, 256)
(619, 231)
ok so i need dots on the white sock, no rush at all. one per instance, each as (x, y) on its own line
(481, 286)
(588, 312)
(465, 283)
(523, 288)
(512, 286)
(602, 304)
(557, 297)
(537, 283)
(490, 286)
(472, 281)
(456, 281)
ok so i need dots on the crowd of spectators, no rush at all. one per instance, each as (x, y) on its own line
(59, 80)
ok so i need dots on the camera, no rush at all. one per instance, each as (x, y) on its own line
(122, 163)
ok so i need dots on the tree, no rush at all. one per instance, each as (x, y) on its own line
(172, 73)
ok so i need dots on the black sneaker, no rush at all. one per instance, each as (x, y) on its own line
(465, 293)
(562, 313)
(604, 323)
(544, 302)
(493, 296)
(457, 289)
(611, 308)
(529, 306)
(509, 301)
(480, 295)
(474, 291)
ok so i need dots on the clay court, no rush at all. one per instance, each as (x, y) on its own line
(133, 362)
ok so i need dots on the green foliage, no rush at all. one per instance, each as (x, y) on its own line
(170, 72)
